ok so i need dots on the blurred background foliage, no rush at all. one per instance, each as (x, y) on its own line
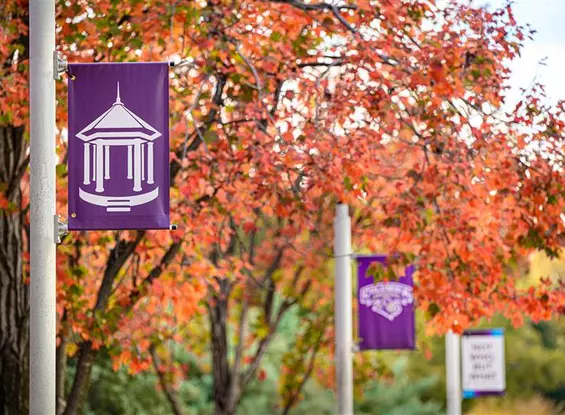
(535, 379)
(410, 383)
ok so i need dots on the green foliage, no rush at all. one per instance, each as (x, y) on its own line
(534, 363)
(533, 366)
(535, 379)
(119, 393)
(401, 396)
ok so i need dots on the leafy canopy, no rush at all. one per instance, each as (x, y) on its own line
(280, 109)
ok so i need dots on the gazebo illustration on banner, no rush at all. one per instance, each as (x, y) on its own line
(118, 127)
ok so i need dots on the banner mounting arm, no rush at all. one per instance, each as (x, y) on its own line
(60, 65)
(61, 229)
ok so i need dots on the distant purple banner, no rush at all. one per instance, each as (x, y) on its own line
(118, 146)
(386, 311)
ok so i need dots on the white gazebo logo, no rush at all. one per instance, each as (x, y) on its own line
(118, 126)
(387, 298)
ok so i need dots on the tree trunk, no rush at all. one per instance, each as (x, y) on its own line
(170, 393)
(61, 368)
(14, 292)
(230, 380)
(118, 256)
(218, 313)
(77, 394)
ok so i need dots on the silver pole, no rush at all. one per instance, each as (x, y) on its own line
(42, 200)
(343, 310)
(453, 373)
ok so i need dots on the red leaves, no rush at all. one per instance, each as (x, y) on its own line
(511, 18)
(249, 227)
(380, 122)
(437, 72)
(3, 201)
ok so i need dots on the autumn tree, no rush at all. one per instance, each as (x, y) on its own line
(14, 160)
(280, 109)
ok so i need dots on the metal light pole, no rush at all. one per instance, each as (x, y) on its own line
(343, 310)
(42, 201)
(453, 373)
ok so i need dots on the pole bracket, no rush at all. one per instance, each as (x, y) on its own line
(60, 65)
(61, 229)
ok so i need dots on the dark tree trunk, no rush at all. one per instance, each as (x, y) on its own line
(118, 256)
(82, 376)
(61, 368)
(218, 314)
(14, 291)
(231, 380)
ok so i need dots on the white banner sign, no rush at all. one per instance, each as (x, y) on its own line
(484, 369)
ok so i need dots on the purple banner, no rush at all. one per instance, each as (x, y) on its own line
(118, 146)
(386, 311)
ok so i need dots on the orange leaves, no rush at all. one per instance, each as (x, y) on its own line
(123, 359)
(270, 136)
(182, 296)
(186, 304)
(281, 210)
(437, 72)
(133, 362)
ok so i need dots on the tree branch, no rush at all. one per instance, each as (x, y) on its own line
(217, 101)
(336, 62)
(118, 256)
(315, 6)
(297, 391)
(342, 20)
(264, 344)
(234, 388)
(61, 366)
(268, 305)
(170, 393)
(156, 272)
